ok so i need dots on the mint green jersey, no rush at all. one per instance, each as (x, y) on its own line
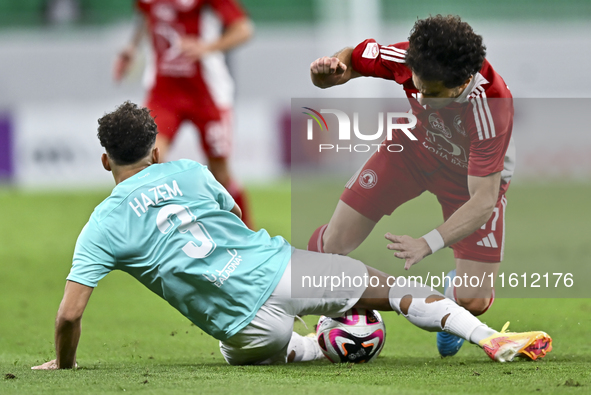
(170, 227)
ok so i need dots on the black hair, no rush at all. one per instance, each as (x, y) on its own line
(443, 48)
(128, 133)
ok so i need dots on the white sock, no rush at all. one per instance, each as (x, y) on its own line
(305, 348)
(481, 333)
(463, 324)
(428, 316)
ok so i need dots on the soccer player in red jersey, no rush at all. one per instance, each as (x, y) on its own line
(464, 155)
(191, 81)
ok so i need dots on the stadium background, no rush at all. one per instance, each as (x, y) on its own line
(55, 82)
(56, 78)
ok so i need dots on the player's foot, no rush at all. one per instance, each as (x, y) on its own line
(504, 346)
(448, 344)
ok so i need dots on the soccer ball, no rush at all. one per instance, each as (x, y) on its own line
(357, 337)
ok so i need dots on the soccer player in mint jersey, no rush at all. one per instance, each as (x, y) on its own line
(464, 154)
(175, 229)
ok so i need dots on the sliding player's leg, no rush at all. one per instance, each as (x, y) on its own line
(430, 310)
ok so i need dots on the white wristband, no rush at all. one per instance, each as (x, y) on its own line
(434, 240)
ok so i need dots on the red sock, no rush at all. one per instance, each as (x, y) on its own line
(315, 243)
(239, 196)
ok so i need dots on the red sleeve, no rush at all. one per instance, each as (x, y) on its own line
(374, 60)
(490, 124)
(229, 11)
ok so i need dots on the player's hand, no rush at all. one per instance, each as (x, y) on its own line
(410, 249)
(328, 65)
(193, 48)
(123, 63)
(51, 365)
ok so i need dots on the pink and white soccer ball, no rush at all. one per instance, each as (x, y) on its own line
(357, 337)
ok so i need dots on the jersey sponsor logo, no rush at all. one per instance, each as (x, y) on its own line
(437, 123)
(220, 276)
(368, 179)
(371, 51)
(437, 141)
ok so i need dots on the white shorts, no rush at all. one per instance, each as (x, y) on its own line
(266, 338)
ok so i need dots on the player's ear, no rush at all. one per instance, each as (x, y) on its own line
(105, 161)
(156, 155)
(465, 84)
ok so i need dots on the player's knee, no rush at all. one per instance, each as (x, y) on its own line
(476, 306)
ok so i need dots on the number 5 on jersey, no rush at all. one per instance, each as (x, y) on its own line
(202, 246)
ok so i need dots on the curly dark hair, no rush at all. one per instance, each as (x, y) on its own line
(128, 133)
(443, 48)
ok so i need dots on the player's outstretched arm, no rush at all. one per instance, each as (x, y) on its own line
(67, 326)
(484, 192)
(126, 56)
(334, 70)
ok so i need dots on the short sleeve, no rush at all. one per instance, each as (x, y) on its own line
(229, 11)
(374, 60)
(490, 125)
(93, 258)
(217, 191)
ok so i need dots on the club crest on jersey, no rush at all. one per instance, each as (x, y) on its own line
(458, 125)
(371, 51)
(437, 124)
(368, 179)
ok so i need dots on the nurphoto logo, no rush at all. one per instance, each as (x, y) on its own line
(392, 120)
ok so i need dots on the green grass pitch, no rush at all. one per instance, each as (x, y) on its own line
(132, 341)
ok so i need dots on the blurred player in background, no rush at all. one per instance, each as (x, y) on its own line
(175, 229)
(190, 80)
(464, 155)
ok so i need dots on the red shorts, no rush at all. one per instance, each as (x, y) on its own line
(214, 124)
(388, 180)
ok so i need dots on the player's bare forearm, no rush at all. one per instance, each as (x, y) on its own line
(67, 324)
(467, 219)
(126, 56)
(330, 71)
(484, 192)
(67, 335)
(236, 34)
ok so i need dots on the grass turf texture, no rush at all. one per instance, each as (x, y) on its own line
(133, 341)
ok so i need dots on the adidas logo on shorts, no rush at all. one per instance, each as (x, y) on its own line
(488, 241)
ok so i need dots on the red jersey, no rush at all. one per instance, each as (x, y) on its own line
(168, 21)
(471, 135)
